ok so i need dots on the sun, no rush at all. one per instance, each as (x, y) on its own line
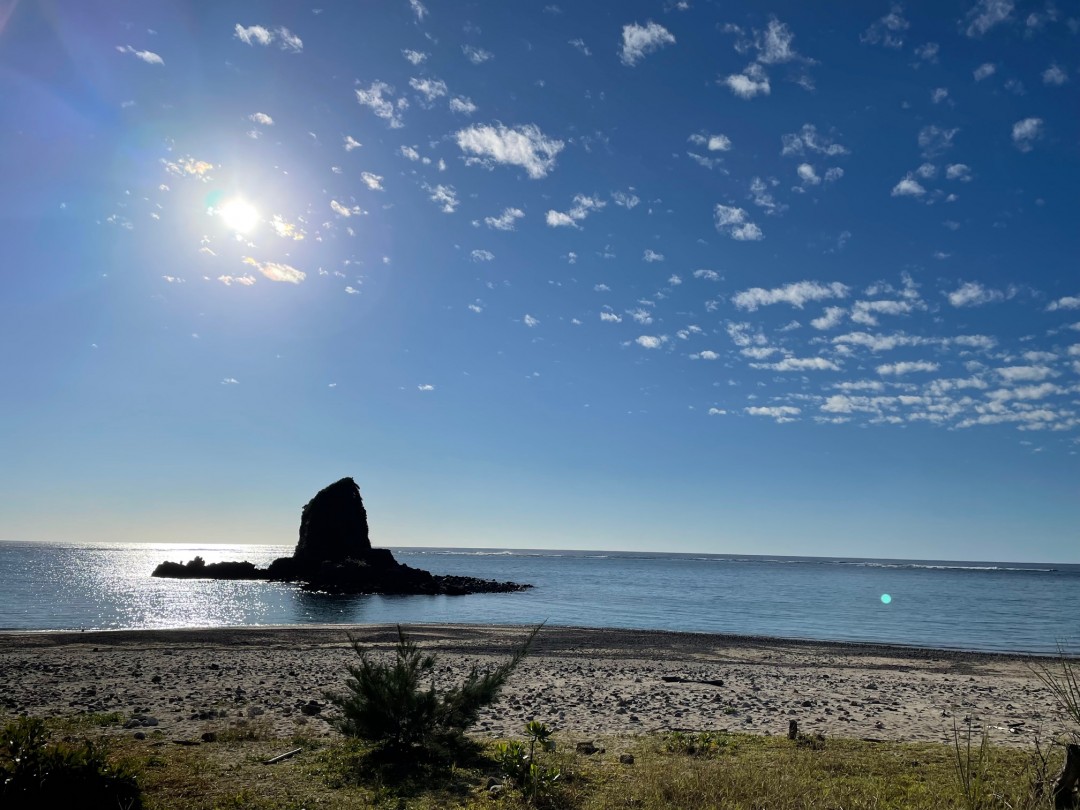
(238, 215)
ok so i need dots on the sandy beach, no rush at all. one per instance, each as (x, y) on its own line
(583, 682)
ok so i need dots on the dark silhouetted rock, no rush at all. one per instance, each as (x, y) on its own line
(334, 555)
(333, 525)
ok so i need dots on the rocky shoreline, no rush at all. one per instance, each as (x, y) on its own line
(582, 682)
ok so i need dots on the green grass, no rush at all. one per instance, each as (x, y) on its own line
(718, 771)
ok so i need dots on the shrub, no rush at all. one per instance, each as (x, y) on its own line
(385, 703)
(521, 769)
(35, 773)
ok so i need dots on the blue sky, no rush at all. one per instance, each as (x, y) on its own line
(691, 276)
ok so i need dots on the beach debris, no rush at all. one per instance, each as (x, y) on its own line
(681, 679)
(1067, 785)
(281, 757)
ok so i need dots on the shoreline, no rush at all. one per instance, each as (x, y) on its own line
(582, 682)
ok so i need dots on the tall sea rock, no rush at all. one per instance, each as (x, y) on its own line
(334, 525)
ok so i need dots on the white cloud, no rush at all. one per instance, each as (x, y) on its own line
(781, 413)
(831, 319)
(985, 14)
(708, 354)
(425, 387)
(462, 105)
(718, 143)
(149, 57)
(1068, 302)
(939, 94)
(899, 369)
(351, 143)
(866, 312)
(928, 52)
(796, 294)
(1055, 76)
(708, 275)
(610, 317)
(934, 140)
(379, 98)
(409, 152)
(984, 71)
(258, 35)
(419, 9)
(652, 256)
(958, 171)
(482, 255)
(344, 211)
(650, 341)
(974, 294)
(908, 187)
(372, 181)
(581, 46)
(430, 89)
(625, 199)
(1025, 132)
(415, 57)
(808, 175)
(445, 197)
(524, 146)
(253, 34)
(1014, 374)
(530, 321)
(887, 30)
(639, 40)
(732, 221)
(774, 44)
(506, 220)
(799, 364)
(753, 81)
(583, 206)
(808, 139)
(476, 55)
(275, 271)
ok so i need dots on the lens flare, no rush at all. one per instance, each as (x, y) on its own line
(238, 215)
(885, 599)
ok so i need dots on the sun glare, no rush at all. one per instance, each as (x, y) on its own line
(238, 215)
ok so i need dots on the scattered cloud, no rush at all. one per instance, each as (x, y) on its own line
(808, 139)
(753, 81)
(583, 206)
(640, 40)
(379, 97)
(372, 181)
(462, 105)
(415, 57)
(935, 140)
(524, 146)
(985, 14)
(530, 321)
(908, 187)
(888, 31)
(974, 294)
(1054, 75)
(505, 221)
(909, 367)
(258, 35)
(351, 143)
(581, 46)
(276, 271)
(652, 256)
(430, 89)
(984, 71)
(733, 222)
(651, 341)
(149, 57)
(445, 197)
(625, 199)
(482, 255)
(419, 10)
(1068, 302)
(781, 413)
(476, 55)
(1026, 132)
(797, 294)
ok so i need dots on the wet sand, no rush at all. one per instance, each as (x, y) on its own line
(583, 682)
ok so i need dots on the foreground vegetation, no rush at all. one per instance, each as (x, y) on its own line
(715, 770)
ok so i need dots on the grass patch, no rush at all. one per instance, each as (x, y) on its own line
(717, 770)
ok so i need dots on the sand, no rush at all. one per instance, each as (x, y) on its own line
(584, 683)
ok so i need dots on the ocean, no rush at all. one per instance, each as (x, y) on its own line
(999, 607)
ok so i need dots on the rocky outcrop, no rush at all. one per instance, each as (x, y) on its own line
(333, 525)
(334, 555)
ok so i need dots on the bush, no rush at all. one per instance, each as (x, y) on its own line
(35, 773)
(520, 767)
(386, 705)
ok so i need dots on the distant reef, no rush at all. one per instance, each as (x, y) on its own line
(334, 555)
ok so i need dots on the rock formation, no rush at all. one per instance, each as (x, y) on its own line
(334, 555)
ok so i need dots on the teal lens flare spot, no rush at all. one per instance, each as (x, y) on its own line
(885, 599)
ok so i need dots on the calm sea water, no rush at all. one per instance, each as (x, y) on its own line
(962, 605)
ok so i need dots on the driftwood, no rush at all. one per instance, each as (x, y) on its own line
(681, 679)
(1067, 785)
(280, 757)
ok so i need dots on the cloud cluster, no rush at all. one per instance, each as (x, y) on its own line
(640, 40)
(524, 146)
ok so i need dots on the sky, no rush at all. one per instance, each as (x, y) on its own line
(733, 277)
